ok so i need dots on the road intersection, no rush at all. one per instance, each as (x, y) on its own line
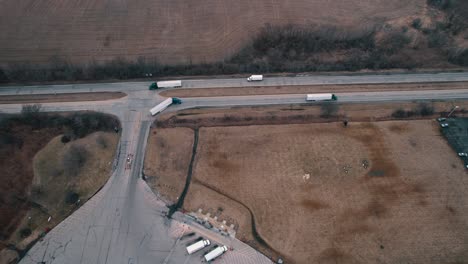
(124, 222)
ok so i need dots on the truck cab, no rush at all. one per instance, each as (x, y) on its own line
(153, 86)
(176, 100)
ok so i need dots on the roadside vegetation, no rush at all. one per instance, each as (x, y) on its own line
(440, 41)
(49, 163)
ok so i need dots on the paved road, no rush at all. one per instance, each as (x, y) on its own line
(124, 222)
(240, 82)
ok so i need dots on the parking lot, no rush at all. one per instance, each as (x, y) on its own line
(457, 136)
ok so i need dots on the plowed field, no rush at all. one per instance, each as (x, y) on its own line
(170, 31)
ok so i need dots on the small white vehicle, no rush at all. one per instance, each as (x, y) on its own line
(462, 154)
(444, 125)
(255, 78)
(198, 246)
(441, 119)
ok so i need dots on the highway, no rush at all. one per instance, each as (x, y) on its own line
(124, 222)
(241, 82)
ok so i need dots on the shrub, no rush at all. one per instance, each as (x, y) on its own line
(25, 232)
(329, 109)
(416, 23)
(71, 197)
(424, 109)
(65, 139)
(437, 39)
(441, 4)
(399, 113)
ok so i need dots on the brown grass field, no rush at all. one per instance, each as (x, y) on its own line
(373, 192)
(64, 97)
(170, 31)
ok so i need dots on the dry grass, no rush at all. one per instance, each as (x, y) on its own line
(166, 160)
(50, 184)
(171, 31)
(408, 204)
(63, 97)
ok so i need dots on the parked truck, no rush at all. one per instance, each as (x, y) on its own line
(164, 104)
(165, 84)
(321, 97)
(215, 253)
(198, 246)
(255, 78)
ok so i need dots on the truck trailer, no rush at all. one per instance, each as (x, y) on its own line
(215, 253)
(164, 104)
(321, 97)
(255, 78)
(198, 246)
(165, 84)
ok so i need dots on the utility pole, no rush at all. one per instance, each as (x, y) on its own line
(451, 112)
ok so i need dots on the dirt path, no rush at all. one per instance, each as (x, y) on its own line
(63, 97)
(303, 89)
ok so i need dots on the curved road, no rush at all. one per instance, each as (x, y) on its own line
(124, 222)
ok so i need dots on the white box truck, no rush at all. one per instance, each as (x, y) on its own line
(255, 78)
(321, 97)
(215, 253)
(197, 246)
(164, 104)
(165, 84)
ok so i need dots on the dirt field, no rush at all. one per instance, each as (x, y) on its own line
(373, 192)
(170, 31)
(304, 89)
(53, 98)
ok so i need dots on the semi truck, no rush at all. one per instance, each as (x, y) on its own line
(198, 246)
(321, 97)
(255, 78)
(165, 84)
(164, 104)
(215, 253)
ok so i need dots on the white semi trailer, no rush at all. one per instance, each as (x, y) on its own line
(197, 246)
(164, 104)
(215, 253)
(321, 97)
(255, 78)
(165, 84)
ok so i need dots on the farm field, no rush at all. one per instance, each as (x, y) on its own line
(372, 192)
(170, 31)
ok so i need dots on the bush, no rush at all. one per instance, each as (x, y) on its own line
(416, 23)
(65, 139)
(424, 109)
(25, 232)
(329, 109)
(74, 159)
(441, 4)
(399, 113)
(437, 39)
(71, 197)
